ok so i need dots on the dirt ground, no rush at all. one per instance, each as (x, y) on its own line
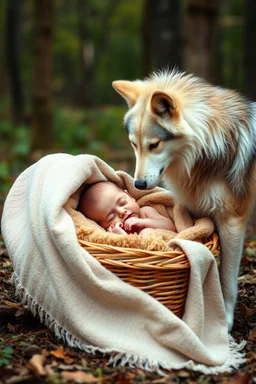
(30, 353)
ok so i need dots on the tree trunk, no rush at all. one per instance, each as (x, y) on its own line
(219, 77)
(166, 36)
(146, 38)
(90, 58)
(250, 54)
(4, 88)
(42, 95)
(201, 28)
(87, 53)
(13, 33)
(249, 66)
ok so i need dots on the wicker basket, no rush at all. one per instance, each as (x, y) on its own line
(163, 275)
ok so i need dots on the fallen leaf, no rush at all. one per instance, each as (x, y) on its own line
(84, 362)
(79, 377)
(19, 379)
(247, 279)
(7, 263)
(163, 380)
(182, 373)
(252, 334)
(20, 312)
(69, 360)
(247, 312)
(36, 365)
(59, 353)
(66, 367)
(11, 304)
(251, 357)
(12, 328)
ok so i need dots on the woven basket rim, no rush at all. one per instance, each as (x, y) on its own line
(133, 258)
(213, 238)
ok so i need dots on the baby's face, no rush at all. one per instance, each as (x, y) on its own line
(113, 206)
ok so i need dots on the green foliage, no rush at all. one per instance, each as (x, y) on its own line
(114, 30)
(232, 46)
(15, 149)
(21, 142)
(96, 131)
(5, 355)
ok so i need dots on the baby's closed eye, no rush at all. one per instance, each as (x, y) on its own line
(111, 218)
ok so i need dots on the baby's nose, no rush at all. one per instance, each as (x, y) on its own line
(122, 212)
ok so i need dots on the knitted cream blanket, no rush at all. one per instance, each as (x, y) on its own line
(88, 306)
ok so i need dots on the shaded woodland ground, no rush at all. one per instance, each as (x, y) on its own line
(30, 353)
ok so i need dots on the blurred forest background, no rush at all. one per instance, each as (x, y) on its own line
(58, 59)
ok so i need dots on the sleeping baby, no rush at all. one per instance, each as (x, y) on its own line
(117, 211)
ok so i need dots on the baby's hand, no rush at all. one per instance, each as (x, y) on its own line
(116, 228)
(133, 224)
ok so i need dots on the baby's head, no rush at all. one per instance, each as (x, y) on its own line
(107, 204)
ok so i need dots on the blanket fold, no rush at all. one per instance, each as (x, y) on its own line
(88, 306)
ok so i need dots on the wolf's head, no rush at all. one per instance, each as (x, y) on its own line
(164, 123)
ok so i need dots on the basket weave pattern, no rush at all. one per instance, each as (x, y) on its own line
(163, 275)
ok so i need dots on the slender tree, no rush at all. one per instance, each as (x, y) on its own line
(42, 93)
(249, 64)
(219, 51)
(90, 57)
(201, 32)
(250, 54)
(4, 76)
(147, 38)
(167, 33)
(162, 35)
(13, 33)
(87, 52)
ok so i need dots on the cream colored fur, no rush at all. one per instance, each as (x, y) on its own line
(200, 142)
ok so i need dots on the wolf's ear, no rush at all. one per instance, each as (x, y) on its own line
(128, 90)
(162, 103)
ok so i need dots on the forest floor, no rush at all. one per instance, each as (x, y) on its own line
(31, 354)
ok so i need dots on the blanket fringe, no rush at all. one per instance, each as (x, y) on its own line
(235, 358)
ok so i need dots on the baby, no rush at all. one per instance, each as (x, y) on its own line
(117, 211)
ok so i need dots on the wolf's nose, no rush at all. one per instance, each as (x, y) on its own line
(140, 184)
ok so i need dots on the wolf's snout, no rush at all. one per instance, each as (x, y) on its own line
(140, 184)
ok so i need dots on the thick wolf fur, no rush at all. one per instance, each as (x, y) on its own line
(200, 141)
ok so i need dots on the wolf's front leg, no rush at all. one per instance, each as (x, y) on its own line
(231, 233)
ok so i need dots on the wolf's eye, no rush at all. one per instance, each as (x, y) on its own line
(153, 145)
(133, 144)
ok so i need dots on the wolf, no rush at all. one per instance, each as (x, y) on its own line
(199, 141)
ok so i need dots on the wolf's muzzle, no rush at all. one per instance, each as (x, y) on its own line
(140, 184)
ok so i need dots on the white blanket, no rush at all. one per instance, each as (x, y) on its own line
(88, 306)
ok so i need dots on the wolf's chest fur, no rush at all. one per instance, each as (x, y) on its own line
(207, 196)
(202, 198)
